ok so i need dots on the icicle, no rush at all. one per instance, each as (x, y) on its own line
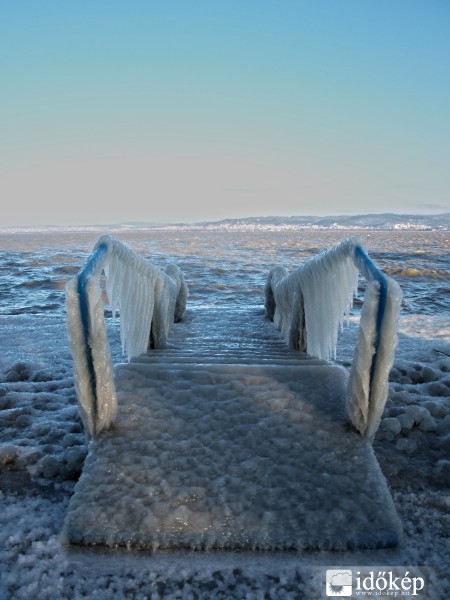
(142, 293)
(323, 290)
(318, 294)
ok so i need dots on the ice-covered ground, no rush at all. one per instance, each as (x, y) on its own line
(42, 449)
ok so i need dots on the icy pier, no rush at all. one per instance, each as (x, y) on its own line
(229, 438)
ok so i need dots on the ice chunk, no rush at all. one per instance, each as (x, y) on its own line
(8, 454)
(391, 425)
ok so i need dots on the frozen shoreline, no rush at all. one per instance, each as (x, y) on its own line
(42, 449)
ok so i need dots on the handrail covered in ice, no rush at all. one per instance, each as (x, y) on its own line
(150, 300)
(310, 304)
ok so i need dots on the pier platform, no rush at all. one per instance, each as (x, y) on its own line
(229, 440)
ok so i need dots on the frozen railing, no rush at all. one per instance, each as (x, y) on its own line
(149, 299)
(310, 304)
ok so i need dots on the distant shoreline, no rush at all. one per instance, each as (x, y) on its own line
(384, 221)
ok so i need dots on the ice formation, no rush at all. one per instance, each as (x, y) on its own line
(373, 358)
(96, 399)
(310, 305)
(259, 458)
(299, 302)
(149, 301)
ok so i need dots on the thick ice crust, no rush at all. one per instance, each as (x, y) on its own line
(149, 300)
(309, 306)
(311, 303)
(252, 457)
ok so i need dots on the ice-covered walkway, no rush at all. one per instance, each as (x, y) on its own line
(228, 439)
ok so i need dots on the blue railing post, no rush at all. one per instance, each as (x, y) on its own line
(365, 408)
(92, 265)
(373, 272)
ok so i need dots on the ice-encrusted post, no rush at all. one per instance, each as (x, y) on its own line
(89, 345)
(149, 300)
(375, 349)
(311, 303)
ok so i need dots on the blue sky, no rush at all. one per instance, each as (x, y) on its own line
(199, 110)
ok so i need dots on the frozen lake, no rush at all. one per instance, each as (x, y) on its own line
(42, 446)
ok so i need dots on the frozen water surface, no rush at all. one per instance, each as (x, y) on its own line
(43, 447)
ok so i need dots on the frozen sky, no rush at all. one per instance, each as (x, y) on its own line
(190, 110)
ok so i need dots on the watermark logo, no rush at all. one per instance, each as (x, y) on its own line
(339, 583)
(394, 583)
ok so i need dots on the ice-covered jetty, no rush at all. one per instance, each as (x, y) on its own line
(229, 437)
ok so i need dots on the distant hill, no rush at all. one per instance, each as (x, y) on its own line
(369, 221)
